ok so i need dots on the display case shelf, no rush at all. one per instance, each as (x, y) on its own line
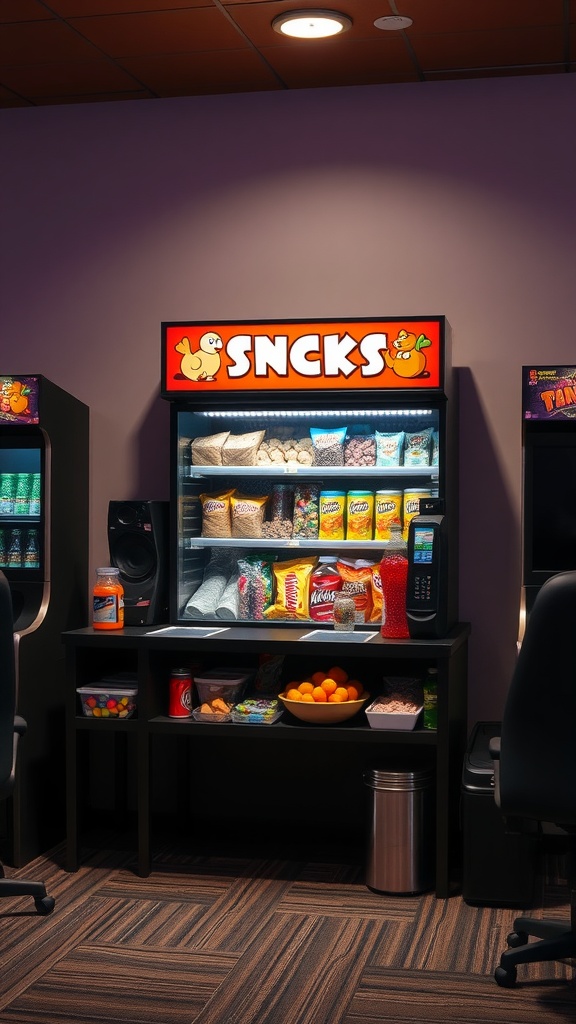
(294, 469)
(284, 544)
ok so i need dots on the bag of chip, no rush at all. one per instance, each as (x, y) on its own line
(357, 583)
(417, 447)
(292, 580)
(207, 451)
(216, 514)
(247, 514)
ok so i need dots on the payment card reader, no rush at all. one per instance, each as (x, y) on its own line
(428, 590)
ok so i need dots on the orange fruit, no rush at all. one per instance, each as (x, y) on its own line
(341, 692)
(305, 687)
(338, 674)
(352, 692)
(319, 694)
(328, 685)
(335, 698)
(307, 698)
(317, 678)
(357, 686)
(294, 694)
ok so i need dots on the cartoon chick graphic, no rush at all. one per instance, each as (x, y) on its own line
(15, 397)
(205, 362)
(408, 359)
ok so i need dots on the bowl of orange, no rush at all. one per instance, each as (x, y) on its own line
(324, 698)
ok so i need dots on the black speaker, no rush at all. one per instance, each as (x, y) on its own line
(138, 542)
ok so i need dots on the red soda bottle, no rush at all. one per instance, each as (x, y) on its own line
(394, 576)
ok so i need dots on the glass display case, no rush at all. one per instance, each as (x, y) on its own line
(283, 495)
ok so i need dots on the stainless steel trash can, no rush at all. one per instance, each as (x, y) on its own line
(400, 857)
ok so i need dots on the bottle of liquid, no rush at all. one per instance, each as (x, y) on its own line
(430, 712)
(22, 498)
(394, 576)
(14, 559)
(3, 550)
(325, 583)
(32, 554)
(108, 599)
(35, 494)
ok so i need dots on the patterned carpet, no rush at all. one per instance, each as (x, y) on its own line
(210, 940)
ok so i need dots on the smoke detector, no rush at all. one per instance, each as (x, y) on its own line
(393, 23)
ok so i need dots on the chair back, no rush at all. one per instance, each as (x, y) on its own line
(7, 686)
(537, 770)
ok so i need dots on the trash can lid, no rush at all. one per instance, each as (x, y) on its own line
(398, 780)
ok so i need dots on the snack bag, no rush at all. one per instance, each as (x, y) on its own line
(254, 587)
(247, 514)
(389, 448)
(417, 447)
(207, 451)
(357, 583)
(377, 600)
(292, 580)
(328, 446)
(216, 514)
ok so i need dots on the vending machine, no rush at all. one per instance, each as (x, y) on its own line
(44, 555)
(548, 478)
(294, 446)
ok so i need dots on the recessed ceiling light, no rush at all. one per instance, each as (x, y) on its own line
(311, 24)
(393, 23)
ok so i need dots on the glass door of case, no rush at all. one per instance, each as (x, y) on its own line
(21, 504)
(256, 490)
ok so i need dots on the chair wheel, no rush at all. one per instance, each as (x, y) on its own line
(517, 939)
(45, 905)
(505, 978)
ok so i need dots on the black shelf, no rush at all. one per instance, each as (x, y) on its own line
(143, 739)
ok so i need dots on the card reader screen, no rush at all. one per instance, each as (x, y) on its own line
(423, 544)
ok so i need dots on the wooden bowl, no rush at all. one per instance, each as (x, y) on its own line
(324, 714)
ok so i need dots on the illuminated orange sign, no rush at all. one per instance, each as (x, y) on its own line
(223, 357)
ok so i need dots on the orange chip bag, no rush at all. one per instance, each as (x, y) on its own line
(357, 583)
(377, 601)
(292, 580)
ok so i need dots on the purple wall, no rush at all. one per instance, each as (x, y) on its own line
(453, 198)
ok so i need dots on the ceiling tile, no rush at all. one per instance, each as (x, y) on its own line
(488, 49)
(348, 63)
(22, 10)
(477, 15)
(63, 79)
(132, 35)
(41, 42)
(87, 8)
(202, 73)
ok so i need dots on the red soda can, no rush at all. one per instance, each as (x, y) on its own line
(180, 693)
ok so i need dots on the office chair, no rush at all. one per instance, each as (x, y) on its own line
(11, 728)
(535, 760)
